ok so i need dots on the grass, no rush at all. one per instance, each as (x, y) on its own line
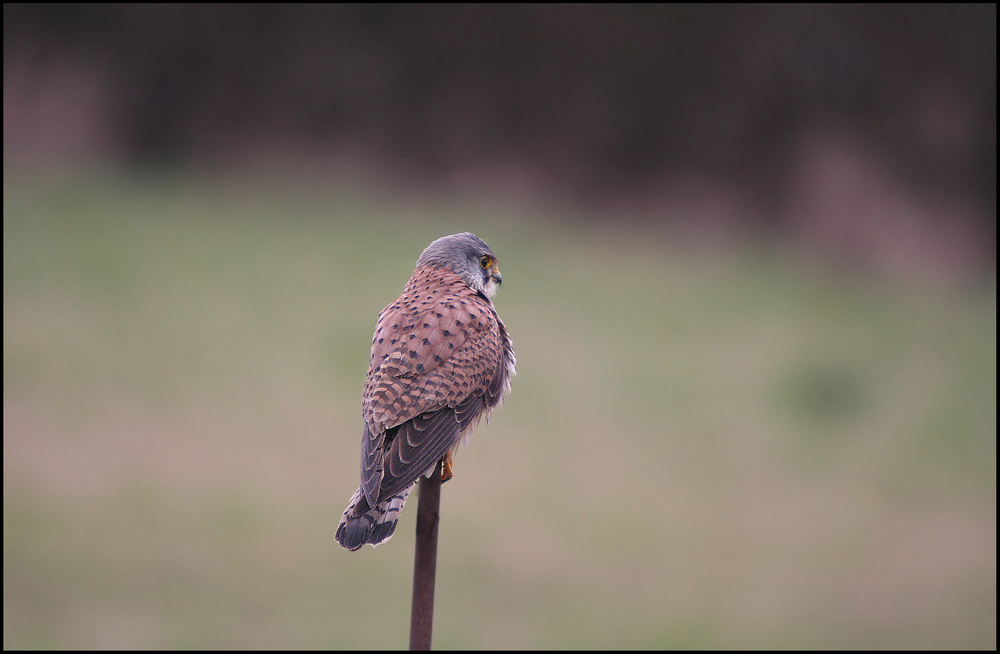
(702, 449)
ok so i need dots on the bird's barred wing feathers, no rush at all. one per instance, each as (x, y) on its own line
(428, 412)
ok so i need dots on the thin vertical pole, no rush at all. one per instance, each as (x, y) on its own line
(425, 561)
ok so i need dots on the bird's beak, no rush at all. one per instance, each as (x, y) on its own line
(495, 276)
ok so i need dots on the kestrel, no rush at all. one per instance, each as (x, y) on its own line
(441, 360)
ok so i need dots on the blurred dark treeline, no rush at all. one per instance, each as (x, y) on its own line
(597, 101)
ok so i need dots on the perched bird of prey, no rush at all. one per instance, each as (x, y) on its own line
(441, 360)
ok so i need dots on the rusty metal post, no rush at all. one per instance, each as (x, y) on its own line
(425, 561)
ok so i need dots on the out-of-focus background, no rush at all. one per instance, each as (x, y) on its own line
(749, 269)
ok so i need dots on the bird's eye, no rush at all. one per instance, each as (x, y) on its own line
(485, 262)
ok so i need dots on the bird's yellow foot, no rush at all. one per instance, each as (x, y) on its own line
(447, 471)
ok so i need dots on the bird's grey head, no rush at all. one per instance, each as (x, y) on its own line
(467, 256)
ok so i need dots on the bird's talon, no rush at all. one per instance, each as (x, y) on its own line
(447, 467)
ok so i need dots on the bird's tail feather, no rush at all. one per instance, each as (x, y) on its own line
(374, 525)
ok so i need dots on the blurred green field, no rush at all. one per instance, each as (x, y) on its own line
(702, 448)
